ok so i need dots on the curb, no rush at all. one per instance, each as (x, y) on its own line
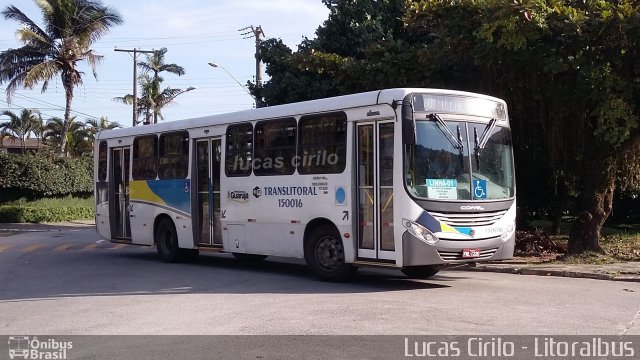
(550, 272)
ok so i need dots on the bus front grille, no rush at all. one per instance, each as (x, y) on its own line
(469, 220)
(457, 255)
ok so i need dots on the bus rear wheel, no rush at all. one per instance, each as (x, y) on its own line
(420, 272)
(324, 254)
(166, 240)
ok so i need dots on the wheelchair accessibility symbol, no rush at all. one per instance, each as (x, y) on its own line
(479, 189)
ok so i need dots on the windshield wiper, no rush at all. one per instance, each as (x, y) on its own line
(456, 142)
(484, 138)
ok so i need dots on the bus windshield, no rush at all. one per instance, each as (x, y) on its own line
(438, 168)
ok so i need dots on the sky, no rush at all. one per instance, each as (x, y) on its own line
(195, 32)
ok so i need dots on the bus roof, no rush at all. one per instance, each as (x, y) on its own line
(386, 96)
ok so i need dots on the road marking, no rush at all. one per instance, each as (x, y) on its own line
(91, 246)
(32, 248)
(63, 247)
(119, 246)
(4, 247)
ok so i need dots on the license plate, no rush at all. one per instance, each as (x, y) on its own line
(471, 253)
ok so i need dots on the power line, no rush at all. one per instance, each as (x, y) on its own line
(25, 97)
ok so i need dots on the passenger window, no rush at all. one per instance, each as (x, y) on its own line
(275, 147)
(145, 158)
(323, 144)
(174, 155)
(239, 150)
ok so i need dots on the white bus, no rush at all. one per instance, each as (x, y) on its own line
(407, 178)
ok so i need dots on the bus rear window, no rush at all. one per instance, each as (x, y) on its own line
(145, 158)
(102, 161)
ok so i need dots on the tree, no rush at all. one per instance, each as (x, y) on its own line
(95, 126)
(568, 69)
(152, 99)
(79, 137)
(336, 62)
(21, 126)
(70, 28)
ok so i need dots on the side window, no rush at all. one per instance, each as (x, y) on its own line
(102, 161)
(275, 147)
(323, 143)
(174, 155)
(145, 158)
(239, 154)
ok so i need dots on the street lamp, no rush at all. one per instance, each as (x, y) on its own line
(215, 65)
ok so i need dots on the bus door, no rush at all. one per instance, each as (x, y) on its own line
(374, 156)
(119, 191)
(206, 222)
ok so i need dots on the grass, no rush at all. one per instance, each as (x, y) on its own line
(620, 242)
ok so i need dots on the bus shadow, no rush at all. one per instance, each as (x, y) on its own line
(136, 272)
(274, 274)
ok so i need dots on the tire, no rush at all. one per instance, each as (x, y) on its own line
(324, 254)
(420, 272)
(166, 240)
(249, 257)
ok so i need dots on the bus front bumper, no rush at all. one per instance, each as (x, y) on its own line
(416, 252)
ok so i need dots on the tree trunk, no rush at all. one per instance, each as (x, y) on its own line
(595, 205)
(68, 89)
(562, 193)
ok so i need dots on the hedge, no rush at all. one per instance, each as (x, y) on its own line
(44, 175)
(47, 210)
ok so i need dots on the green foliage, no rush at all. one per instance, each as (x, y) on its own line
(55, 48)
(42, 175)
(47, 210)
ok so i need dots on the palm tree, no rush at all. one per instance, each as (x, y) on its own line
(21, 126)
(95, 126)
(70, 28)
(152, 100)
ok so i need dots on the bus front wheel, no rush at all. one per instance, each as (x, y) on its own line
(420, 272)
(324, 254)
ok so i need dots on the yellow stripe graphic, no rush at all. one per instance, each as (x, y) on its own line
(140, 191)
(4, 247)
(119, 246)
(447, 228)
(91, 246)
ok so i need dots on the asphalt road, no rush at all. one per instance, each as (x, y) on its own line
(71, 282)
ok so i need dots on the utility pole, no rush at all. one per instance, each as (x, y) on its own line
(135, 78)
(256, 32)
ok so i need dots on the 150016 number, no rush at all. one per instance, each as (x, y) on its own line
(290, 203)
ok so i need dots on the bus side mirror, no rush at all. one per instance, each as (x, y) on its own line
(408, 124)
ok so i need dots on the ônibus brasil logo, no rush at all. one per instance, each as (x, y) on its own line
(24, 347)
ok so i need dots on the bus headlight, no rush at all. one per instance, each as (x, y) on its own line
(507, 233)
(420, 232)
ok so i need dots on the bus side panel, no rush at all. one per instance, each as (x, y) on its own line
(272, 207)
(103, 226)
(153, 198)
